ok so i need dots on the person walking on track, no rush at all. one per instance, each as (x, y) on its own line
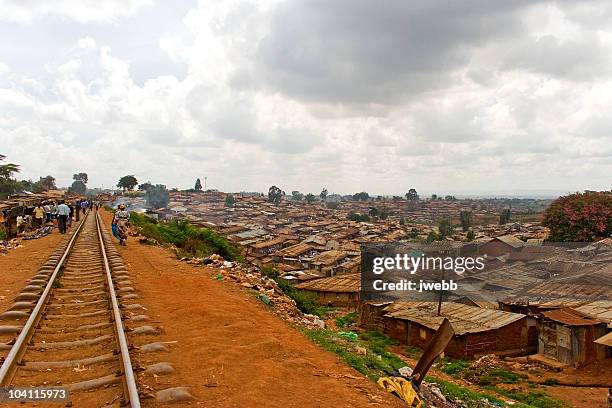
(121, 224)
(63, 212)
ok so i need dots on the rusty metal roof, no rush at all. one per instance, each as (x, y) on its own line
(464, 318)
(343, 284)
(570, 317)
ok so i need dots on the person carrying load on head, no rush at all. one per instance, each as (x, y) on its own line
(121, 224)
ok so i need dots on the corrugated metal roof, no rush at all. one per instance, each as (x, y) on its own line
(570, 317)
(343, 284)
(464, 318)
(605, 340)
(600, 309)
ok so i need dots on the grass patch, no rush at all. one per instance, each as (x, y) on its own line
(499, 376)
(468, 398)
(551, 382)
(191, 241)
(3, 234)
(346, 320)
(377, 361)
(537, 399)
(452, 367)
(413, 352)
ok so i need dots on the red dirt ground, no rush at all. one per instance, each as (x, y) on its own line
(231, 351)
(20, 264)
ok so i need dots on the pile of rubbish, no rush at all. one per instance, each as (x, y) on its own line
(250, 277)
(6, 246)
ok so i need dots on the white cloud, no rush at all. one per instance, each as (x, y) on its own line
(308, 104)
(83, 11)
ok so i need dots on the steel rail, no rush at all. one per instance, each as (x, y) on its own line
(129, 379)
(15, 354)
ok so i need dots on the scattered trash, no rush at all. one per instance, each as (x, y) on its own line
(265, 299)
(352, 336)
(405, 371)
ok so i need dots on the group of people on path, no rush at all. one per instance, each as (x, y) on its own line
(61, 212)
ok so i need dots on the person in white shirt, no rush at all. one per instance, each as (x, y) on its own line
(63, 212)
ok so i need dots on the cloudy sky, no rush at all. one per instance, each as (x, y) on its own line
(444, 96)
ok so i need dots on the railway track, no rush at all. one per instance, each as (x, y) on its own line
(65, 328)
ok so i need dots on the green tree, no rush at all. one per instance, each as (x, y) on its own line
(434, 196)
(412, 195)
(80, 177)
(466, 220)
(310, 198)
(78, 187)
(384, 213)
(8, 185)
(297, 196)
(471, 235)
(373, 212)
(323, 194)
(128, 183)
(445, 228)
(7, 170)
(353, 216)
(157, 196)
(198, 185)
(504, 217)
(275, 195)
(450, 198)
(362, 196)
(229, 200)
(47, 183)
(402, 221)
(580, 217)
(145, 186)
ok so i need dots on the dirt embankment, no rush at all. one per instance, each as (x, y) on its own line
(230, 350)
(21, 263)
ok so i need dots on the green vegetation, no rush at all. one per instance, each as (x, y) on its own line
(362, 196)
(412, 195)
(537, 399)
(3, 234)
(504, 217)
(468, 398)
(191, 240)
(275, 195)
(499, 376)
(413, 352)
(305, 301)
(230, 200)
(310, 198)
(346, 320)
(369, 355)
(353, 216)
(376, 362)
(452, 367)
(127, 182)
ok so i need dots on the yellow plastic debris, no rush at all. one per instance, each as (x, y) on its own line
(402, 388)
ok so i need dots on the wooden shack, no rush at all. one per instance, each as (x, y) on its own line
(568, 336)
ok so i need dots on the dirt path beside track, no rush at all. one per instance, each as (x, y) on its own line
(230, 350)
